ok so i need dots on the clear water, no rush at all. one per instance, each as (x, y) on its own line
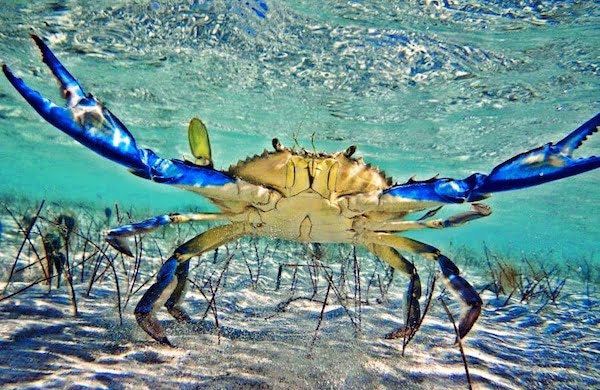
(422, 87)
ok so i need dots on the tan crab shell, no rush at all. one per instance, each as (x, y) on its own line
(308, 194)
(291, 173)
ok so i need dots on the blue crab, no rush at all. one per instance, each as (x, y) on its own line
(297, 195)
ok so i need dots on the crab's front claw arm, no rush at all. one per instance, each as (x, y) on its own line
(537, 166)
(90, 123)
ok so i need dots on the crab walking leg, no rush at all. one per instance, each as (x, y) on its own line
(173, 304)
(115, 237)
(477, 211)
(412, 309)
(455, 283)
(169, 288)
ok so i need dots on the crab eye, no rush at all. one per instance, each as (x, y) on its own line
(350, 151)
(277, 145)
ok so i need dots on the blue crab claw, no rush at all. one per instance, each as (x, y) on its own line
(85, 118)
(90, 123)
(544, 164)
(537, 166)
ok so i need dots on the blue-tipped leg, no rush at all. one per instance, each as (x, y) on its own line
(155, 297)
(465, 293)
(116, 237)
(90, 123)
(537, 166)
(171, 280)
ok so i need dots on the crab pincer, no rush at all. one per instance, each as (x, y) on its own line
(84, 118)
(90, 123)
(544, 164)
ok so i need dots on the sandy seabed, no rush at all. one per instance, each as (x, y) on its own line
(254, 343)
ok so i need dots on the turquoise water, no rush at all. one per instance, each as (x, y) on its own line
(422, 87)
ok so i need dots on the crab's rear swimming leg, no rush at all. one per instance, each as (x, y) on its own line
(171, 280)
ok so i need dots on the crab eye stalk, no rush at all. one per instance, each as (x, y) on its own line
(199, 142)
(350, 151)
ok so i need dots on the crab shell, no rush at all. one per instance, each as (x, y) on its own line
(301, 195)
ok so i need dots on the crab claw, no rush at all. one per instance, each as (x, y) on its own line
(90, 123)
(537, 166)
(541, 165)
(85, 118)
